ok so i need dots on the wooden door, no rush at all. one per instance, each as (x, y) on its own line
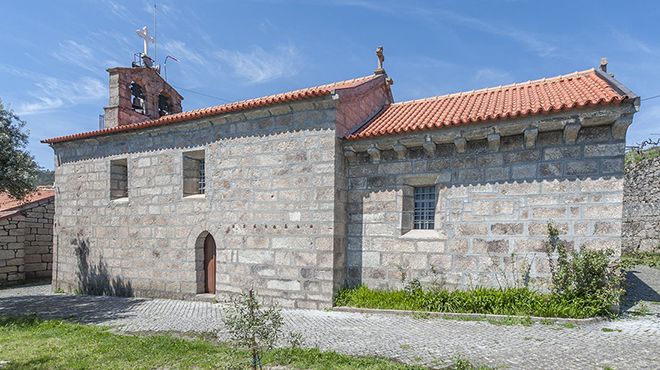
(209, 264)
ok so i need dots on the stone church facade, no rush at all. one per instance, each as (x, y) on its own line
(302, 193)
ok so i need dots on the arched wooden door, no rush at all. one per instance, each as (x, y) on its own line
(209, 264)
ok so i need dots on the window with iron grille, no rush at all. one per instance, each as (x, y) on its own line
(119, 178)
(202, 177)
(194, 173)
(424, 215)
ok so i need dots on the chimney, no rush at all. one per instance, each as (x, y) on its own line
(603, 64)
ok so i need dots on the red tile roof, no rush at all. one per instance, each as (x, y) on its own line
(311, 92)
(576, 90)
(10, 205)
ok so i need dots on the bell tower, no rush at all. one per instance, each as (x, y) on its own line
(139, 93)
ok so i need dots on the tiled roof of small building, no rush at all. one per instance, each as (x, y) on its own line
(10, 205)
(296, 95)
(576, 90)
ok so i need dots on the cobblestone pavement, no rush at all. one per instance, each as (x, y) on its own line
(643, 285)
(630, 343)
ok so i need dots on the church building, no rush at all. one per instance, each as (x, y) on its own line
(302, 193)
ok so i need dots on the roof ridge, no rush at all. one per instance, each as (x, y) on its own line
(243, 101)
(486, 89)
(240, 105)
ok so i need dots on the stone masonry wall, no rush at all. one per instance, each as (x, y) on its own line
(493, 207)
(26, 241)
(270, 206)
(641, 206)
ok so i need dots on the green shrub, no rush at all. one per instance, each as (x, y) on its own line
(586, 275)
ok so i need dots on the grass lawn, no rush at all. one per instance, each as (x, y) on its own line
(27, 342)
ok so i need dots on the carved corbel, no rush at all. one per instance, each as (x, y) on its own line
(400, 150)
(429, 146)
(494, 141)
(571, 131)
(349, 153)
(530, 134)
(620, 127)
(460, 142)
(374, 153)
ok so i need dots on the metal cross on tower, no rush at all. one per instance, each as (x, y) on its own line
(144, 35)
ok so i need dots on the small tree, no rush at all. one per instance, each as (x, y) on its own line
(252, 326)
(18, 171)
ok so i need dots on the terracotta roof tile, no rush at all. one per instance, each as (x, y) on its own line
(296, 95)
(9, 205)
(576, 90)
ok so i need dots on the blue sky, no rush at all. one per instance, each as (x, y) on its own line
(52, 67)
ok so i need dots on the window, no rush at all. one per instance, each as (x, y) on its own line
(118, 179)
(424, 215)
(194, 173)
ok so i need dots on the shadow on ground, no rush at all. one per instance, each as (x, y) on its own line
(83, 309)
(642, 285)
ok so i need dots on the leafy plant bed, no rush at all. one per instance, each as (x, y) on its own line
(632, 259)
(509, 302)
(28, 342)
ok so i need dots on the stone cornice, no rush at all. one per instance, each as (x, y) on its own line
(618, 116)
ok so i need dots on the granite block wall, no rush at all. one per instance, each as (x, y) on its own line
(26, 241)
(641, 206)
(270, 204)
(495, 198)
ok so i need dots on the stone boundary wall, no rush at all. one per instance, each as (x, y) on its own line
(26, 244)
(641, 206)
(495, 198)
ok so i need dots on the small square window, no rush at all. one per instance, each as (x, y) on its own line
(194, 173)
(424, 214)
(118, 179)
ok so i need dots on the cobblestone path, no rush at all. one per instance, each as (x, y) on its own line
(630, 343)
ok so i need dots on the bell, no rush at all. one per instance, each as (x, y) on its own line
(137, 104)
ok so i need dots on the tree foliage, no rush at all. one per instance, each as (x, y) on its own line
(252, 326)
(18, 171)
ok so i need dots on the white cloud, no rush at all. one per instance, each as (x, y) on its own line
(117, 9)
(180, 51)
(72, 52)
(53, 93)
(258, 65)
(160, 8)
(628, 42)
(531, 41)
(491, 77)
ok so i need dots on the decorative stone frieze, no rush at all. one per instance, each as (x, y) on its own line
(400, 150)
(571, 132)
(530, 134)
(494, 141)
(429, 146)
(620, 126)
(460, 143)
(374, 153)
(349, 152)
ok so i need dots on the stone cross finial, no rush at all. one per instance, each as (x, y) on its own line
(603, 64)
(381, 59)
(146, 37)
